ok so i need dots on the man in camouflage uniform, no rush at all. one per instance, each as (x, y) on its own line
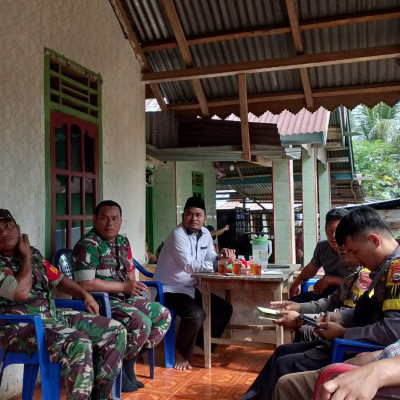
(88, 347)
(102, 261)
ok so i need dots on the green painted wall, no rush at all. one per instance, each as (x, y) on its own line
(310, 203)
(284, 239)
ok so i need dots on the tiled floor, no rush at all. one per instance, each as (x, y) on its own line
(232, 373)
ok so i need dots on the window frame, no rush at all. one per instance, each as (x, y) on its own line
(57, 119)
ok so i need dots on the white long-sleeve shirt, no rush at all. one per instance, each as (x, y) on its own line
(183, 254)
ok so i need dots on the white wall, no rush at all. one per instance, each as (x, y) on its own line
(87, 32)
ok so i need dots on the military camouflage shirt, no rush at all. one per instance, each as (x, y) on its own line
(44, 278)
(95, 257)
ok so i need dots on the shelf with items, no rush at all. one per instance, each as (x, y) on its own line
(254, 223)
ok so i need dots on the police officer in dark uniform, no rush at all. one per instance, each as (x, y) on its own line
(376, 317)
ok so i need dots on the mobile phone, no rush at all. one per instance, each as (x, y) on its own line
(309, 321)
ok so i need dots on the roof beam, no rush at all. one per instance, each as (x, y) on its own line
(156, 162)
(379, 89)
(186, 55)
(125, 23)
(298, 44)
(236, 164)
(277, 64)
(244, 117)
(338, 159)
(280, 29)
(239, 171)
(261, 160)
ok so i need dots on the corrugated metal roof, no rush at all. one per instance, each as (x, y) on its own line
(288, 123)
(291, 124)
(208, 18)
(213, 31)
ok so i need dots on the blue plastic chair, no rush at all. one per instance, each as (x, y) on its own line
(307, 283)
(62, 260)
(169, 338)
(50, 373)
(341, 346)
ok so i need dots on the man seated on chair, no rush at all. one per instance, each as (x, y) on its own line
(88, 347)
(354, 284)
(189, 249)
(102, 261)
(376, 375)
(375, 318)
(326, 255)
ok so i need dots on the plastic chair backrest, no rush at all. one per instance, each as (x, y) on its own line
(143, 270)
(169, 338)
(62, 261)
(341, 346)
(328, 373)
(307, 283)
(50, 372)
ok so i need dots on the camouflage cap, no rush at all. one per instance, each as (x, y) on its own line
(5, 214)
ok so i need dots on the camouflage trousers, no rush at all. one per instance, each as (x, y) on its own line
(146, 322)
(88, 347)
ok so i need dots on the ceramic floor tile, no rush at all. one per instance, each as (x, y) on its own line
(230, 376)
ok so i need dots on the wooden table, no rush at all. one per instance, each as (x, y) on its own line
(245, 283)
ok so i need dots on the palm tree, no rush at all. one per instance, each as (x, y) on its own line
(380, 122)
(377, 148)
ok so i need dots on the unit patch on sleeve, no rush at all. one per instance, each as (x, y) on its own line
(392, 292)
(360, 285)
(52, 272)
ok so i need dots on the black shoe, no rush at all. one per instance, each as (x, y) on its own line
(127, 385)
(101, 392)
(129, 369)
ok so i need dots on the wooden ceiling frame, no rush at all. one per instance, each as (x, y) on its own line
(347, 19)
(311, 98)
(261, 160)
(125, 23)
(176, 26)
(277, 64)
(244, 117)
(361, 90)
(298, 45)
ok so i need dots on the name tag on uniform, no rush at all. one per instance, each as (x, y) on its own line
(108, 261)
(203, 248)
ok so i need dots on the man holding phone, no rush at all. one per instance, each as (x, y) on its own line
(352, 288)
(376, 317)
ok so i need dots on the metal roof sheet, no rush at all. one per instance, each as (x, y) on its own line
(269, 37)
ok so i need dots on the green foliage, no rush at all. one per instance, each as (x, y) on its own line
(380, 122)
(381, 162)
(377, 148)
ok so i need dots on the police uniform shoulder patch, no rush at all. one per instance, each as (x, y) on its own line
(394, 272)
(363, 280)
(360, 285)
(392, 292)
